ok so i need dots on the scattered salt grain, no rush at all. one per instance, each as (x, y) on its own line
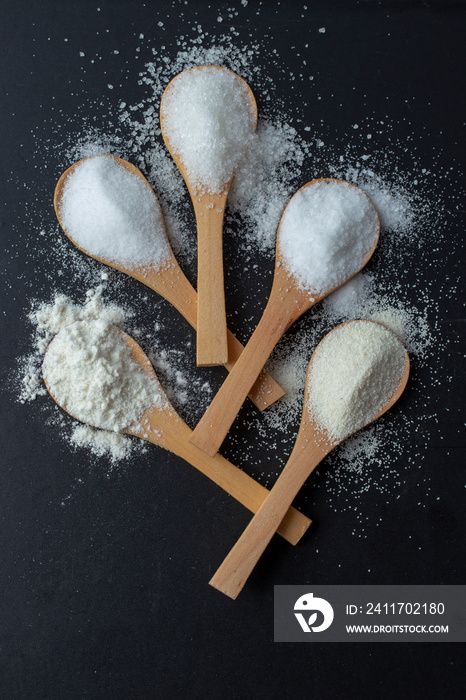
(90, 371)
(355, 370)
(112, 214)
(209, 121)
(326, 233)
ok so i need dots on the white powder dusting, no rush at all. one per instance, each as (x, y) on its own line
(209, 121)
(111, 213)
(90, 371)
(102, 443)
(355, 370)
(326, 232)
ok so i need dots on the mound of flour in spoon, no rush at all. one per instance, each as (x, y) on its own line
(91, 373)
(354, 371)
(111, 213)
(209, 120)
(326, 233)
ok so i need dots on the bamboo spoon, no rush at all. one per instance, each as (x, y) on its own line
(170, 282)
(162, 426)
(287, 302)
(209, 208)
(312, 445)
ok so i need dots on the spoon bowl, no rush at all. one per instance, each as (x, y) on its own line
(162, 426)
(287, 302)
(313, 443)
(209, 209)
(170, 282)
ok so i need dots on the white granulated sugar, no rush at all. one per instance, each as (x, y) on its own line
(262, 184)
(355, 370)
(90, 371)
(394, 206)
(326, 232)
(209, 121)
(343, 302)
(111, 213)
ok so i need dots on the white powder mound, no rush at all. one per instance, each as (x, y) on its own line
(48, 320)
(209, 122)
(111, 213)
(355, 370)
(326, 232)
(90, 371)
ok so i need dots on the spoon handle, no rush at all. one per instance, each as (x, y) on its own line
(216, 421)
(233, 573)
(212, 342)
(174, 286)
(170, 431)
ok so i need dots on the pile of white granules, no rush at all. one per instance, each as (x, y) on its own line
(111, 213)
(354, 371)
(326, 233)
(284, 153)
(209, 121)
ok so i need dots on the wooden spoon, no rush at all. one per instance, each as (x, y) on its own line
(162, 426)
(287, 302)
(170, 282)
(212, 346)
(312, 445)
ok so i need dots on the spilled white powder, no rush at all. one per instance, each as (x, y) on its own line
(102, 443)
(355, 370)
(111, 213)
(90, 371)
(48, 319)
(326, 232)
(209, 122)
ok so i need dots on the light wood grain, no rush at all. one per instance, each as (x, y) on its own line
(312, 445)
(212, 340)
(310, 448)
(287, 302)
(170, 282)
(209, 208)
(162, 426)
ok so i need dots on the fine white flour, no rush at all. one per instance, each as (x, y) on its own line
(90, 371)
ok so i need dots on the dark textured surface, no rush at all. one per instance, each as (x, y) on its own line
(108, 597)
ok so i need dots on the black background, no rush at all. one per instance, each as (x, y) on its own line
(108, 597)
